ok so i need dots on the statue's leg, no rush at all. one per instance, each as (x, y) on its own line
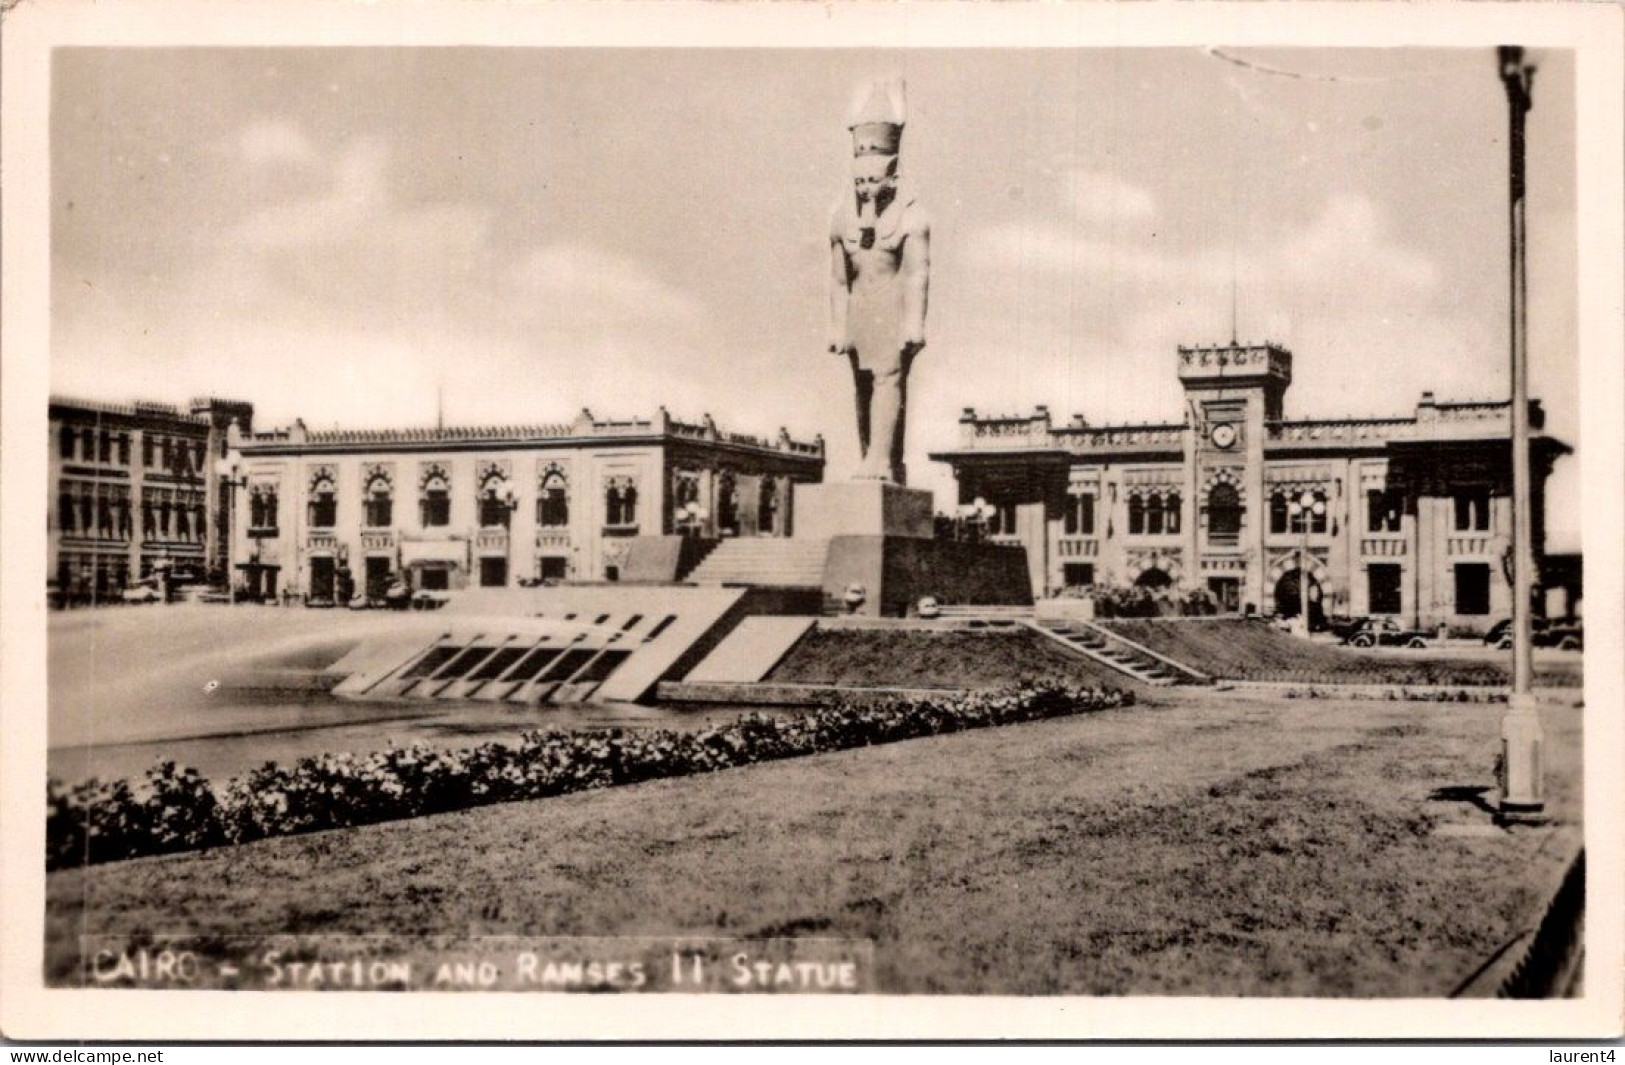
(885, 423)
(863, 383)
(899, 472)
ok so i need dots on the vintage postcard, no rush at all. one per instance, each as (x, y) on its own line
(566, 521)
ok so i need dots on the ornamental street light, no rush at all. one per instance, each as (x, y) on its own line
(1523, 797)
(227, 469)
(1302, 508)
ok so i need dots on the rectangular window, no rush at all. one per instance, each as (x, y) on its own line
(436, 506)
(380, 511)
(1384, 510)
(1382, 588)
(324, 510)
(1079, 517)
(146, 449)
(124, 449)
(67, 440)
(1078, 574)
(1472, 588)
(1473, 511)
(552, 568)
(105, 453)
(493, 572)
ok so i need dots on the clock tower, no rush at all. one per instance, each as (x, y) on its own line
(1232, 394)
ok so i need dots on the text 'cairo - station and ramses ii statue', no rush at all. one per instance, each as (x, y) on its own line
(880, 255)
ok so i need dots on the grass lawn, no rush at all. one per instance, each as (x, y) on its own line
(1250, 650)
(948, 658)
(1210, 845)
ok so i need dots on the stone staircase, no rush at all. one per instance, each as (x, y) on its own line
(1128, 658)
(765, 560)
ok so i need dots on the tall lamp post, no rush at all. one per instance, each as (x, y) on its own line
(1301, 509)
(1523, 789)
(226, 468)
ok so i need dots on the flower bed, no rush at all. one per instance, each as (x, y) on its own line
(177, 809)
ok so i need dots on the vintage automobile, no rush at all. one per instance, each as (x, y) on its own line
(1386, 632)
(145, 590)
(1564, 635)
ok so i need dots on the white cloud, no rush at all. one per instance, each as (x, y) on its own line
(352, 206)
(275, 141)
(1102, 198)
(596, 286)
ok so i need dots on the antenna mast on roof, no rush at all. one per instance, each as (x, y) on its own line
(440, 406)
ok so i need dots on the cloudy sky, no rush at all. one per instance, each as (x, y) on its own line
(338, 234)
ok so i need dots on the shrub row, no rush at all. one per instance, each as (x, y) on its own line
(177, 809)
(1401, 695)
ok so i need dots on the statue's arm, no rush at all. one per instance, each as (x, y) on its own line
(915, 271)
(840, 292)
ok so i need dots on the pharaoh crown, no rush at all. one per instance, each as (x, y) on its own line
(878, 114)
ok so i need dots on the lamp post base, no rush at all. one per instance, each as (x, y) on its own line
(1523, 743)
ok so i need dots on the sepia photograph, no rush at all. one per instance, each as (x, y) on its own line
(842, 512)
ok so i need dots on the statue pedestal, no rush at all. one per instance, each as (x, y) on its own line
(862, 508)
(881, 539)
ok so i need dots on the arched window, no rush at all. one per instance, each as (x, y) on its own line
(1136, 515)
(553, 501)
(493, 508)
(1224, 513)
(1153, 515)
(378, 501)
(434, 501)
(324, 502)
(1172, 507)
(727, 506)
(767, 506)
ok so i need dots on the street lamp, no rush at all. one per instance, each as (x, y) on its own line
(1302, 508)
(1523, 797)
(227, 469)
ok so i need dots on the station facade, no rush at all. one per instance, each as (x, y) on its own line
(133, 492)
(317, 513)
(1407, 516)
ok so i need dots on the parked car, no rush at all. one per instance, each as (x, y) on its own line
(145, 590)
(1386, 632)
(1566, 635)
(1342, 626)
(929, 608)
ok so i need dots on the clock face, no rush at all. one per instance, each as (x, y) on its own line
(1223, 435)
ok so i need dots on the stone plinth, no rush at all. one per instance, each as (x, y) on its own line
(861, 508)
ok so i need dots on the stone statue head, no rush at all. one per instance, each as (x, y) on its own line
(874, 178)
